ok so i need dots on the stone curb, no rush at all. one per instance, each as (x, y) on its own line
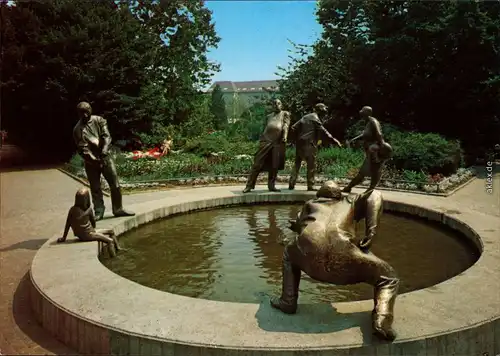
(128, 190)
(105, 314)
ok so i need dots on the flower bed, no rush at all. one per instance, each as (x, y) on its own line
(178, 169)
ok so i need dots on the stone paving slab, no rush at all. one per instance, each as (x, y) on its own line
(33, 208)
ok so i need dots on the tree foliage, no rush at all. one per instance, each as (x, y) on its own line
(218, 108)
(422, 65)
(140, 65)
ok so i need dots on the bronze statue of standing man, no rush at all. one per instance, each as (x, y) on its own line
(93, 142)
(270, 156)
(308, 128)
(377, 151)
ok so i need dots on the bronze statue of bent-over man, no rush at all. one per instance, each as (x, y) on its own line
(270, 156)
(326, 249)
(93, 142)
(308, 128)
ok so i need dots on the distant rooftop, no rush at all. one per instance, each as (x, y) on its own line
(255, 86)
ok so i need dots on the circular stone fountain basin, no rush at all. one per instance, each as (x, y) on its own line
(233, 255)
(96, 311)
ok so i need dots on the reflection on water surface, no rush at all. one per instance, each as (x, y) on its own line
(232, 255)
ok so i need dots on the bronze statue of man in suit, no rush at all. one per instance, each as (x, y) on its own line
(308, 129)
(93, 142)
(270, 155)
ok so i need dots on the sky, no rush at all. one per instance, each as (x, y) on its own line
(254, 35)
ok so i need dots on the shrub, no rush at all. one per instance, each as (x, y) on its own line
(76, 160)
(420, 178)
(332, 161)
(336, 162)
(218, 142)
(426, 152)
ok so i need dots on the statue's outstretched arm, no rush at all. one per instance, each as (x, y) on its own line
(90, 212)
(357, 137)
(321, 127)
(303, 218)
(294, 126)
(66, 227)
(368, 205)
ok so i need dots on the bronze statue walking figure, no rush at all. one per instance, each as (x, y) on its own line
(270, 156)
(308, 128)
(93, 142)
(326, 249)
(377, 151)
(81, 220)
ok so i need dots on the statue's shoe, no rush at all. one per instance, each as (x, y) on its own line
(246, 190)
(382, 327)
(274, 189)
(123, 212)
(287, 308)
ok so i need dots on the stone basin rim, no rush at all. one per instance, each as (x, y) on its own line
(166, 207)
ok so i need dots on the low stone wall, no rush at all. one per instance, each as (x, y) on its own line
(95, 311)
(445, 187)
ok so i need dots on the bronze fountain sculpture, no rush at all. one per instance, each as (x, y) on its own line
(93, 142)
(270, 156)
(82, 221)
(377, 151)
(325, 248)
(308, 128)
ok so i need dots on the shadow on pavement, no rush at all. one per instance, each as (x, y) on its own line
(5, 168)
(25, 320)
(320, 318)
(25, 245)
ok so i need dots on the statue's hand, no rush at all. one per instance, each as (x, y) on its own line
(293, 225)
(89, 157)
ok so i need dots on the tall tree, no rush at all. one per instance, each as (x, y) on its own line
(138, 76)
(184, 32)
(218, 108)
(423, 65)
(67, 52)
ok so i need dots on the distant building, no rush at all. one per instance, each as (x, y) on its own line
(239, 96)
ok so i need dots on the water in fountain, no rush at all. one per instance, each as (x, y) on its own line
(232, 254)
